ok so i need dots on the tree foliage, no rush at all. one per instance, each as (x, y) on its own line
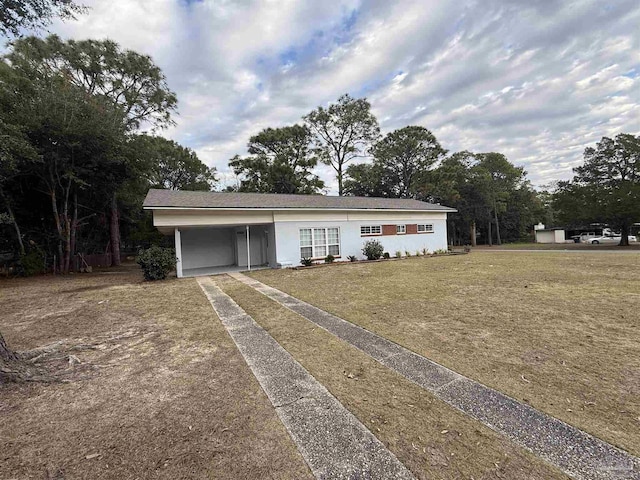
(165, 164)
(342, 132)
(281, 161)
(28, 14)
(403, 155)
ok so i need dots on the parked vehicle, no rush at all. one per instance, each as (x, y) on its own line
(584, 237)
(610, 239)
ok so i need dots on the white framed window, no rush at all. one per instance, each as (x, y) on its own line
(401, 229)
(319, 242)
(371, 230)
(425, 228)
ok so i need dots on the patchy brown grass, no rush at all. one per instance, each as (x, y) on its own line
(431, 438)
(161, 390)
(558, 331)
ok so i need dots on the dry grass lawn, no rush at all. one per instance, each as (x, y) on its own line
(559, 331)
(432, 439)
(161, 390)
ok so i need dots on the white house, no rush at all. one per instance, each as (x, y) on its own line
(215, 232)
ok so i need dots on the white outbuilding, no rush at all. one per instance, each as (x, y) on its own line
(216, 232)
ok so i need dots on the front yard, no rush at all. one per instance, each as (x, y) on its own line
(160, 390)
(556, 330)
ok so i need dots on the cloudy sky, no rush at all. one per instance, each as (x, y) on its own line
(538, 80)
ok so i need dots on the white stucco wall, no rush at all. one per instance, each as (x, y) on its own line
(207, 247)
(351, 243)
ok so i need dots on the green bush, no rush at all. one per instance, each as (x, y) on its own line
(307, 262)
(329, 259)
(156, 262)
(407, 253)
(352, 258)
(425, 251)
(372, 249)
(386, 255)
(398, 254)
(31, 264)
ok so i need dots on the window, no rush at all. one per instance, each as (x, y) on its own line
(319, 242)
(401, 229)
(425, 228)
(371, 230)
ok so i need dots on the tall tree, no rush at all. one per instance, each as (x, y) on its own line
(130, 81)
(342, 132)
(28, 14)
(496, 177)
(166, 164)
(281, 161)
(404, 155)
(606, 188)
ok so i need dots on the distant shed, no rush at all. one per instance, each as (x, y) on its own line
(550, 235)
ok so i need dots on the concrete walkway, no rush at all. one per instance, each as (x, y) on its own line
(332, 441)
(577, 453)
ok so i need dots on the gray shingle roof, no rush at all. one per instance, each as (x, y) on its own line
(184, 199)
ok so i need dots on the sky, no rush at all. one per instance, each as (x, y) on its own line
(538, 80)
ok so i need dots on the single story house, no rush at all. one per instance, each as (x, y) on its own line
(216, 232)
(550, 235)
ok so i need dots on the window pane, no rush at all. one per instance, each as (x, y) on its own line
(401, 228)
(321, 251)
(305, 237)
(332, 236)
(306, 252)
(376, 229)
(365, 230)
(334, 250)
(428, 228)
(319, 236)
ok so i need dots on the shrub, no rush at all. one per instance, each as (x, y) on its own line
(372, 249)
(352, 258)
(386, 255)
(398, 254)
(329, 259)
(441, 251)
(31, 264)
(418, 254)
(425, 251)
(156, 262)
(306, 261)
(407, 253)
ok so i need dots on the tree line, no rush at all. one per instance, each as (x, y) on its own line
(75, 164)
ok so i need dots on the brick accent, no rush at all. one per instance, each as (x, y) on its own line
(388, 229)
(412, 228)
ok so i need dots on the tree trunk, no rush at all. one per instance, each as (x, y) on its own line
(339, 175)
(624, 239)
(489, 234)
(14, 222)
(495, 216)
(472, 232)
(115, 232)
(5, 353)
(74, 230)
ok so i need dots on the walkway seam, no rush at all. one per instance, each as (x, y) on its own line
(333, 442)
(577, 453)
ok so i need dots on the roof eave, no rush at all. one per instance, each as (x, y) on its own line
(297, 209)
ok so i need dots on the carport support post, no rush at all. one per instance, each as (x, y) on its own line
(178, 242)
(248, 252)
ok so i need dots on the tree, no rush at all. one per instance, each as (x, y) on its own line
(606, 188)
(166, 164)
(130, 81)
(403, 155)
(366, 180)
(496, 177)
(342, 132)
(18, 14)
(281, 161)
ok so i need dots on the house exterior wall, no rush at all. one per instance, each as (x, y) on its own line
(207, 247)
(351, 242)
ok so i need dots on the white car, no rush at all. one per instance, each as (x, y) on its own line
(610, 239)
